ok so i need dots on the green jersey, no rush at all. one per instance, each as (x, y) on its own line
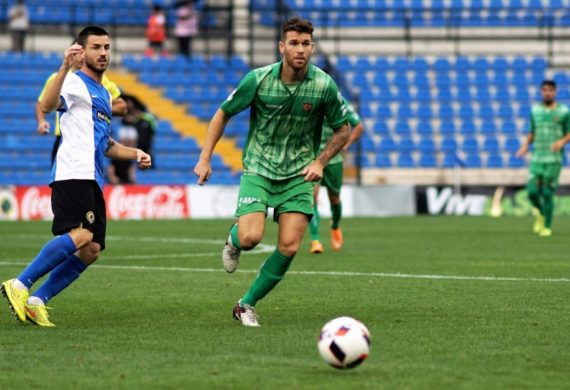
(286, 121)
(548, 125)
(328, 131)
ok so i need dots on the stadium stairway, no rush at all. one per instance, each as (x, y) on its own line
(182, 122)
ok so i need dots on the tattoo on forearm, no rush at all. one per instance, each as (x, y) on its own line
(111, 144)
(335, 144)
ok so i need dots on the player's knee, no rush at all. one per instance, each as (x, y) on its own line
(90, 253)
(81, 237)
(548, 191)
(249, 239)
(532, 189)
(334, 199)
(288, 249)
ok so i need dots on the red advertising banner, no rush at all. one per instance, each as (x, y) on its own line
(146, 202)
(30, 203)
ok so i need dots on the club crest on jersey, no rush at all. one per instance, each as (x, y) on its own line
(90, 216)
(307, 107)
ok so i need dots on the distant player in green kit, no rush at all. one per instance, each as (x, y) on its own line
(332, 179)
(289, 102)
(549, 123)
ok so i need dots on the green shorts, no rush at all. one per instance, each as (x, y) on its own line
(545, 173)
(332, 177)
(257, 193)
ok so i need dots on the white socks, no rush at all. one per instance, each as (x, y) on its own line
(35, 301)
(19, 285)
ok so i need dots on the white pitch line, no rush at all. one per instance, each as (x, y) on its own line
(260, 248)
(328, 273)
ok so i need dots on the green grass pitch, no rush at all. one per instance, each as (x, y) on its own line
(156, 311)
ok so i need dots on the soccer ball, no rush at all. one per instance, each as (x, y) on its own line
(344, 342)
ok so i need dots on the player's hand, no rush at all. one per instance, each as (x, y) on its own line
(70, 53)
(558, 145)
(43, 127)
(522, 150)
(143, 160)
(313, 172)
(203, 170)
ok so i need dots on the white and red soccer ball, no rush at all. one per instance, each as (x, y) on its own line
(344, 342)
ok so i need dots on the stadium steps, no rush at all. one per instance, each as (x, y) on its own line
(183, 123)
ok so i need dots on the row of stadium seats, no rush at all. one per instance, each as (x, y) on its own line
(421, 13)
(378, 13)
(25, 155)
(441, 131)
(85, 12)
(442, 111)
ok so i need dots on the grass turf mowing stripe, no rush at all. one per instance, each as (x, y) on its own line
(329, 273)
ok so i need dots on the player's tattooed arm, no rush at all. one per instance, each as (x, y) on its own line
(314, 172)
(335, 144)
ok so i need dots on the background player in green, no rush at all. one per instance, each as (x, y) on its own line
(549, 133)
(289, 101)
(332, 179)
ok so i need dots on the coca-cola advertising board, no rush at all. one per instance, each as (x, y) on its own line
(29, 203)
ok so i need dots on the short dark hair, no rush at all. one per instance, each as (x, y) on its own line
(297, 24)
(550, 83)
(87, 32)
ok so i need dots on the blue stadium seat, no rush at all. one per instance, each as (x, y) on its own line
(486, 112)
(470, 145)
(441, 65)
(428, 161)
(406, 145)
(383, 160)
(488, 128)
(405, 112)
(468, 129)
(512, 145)
(381, 128)
(473, 161)
(424, 113)
(491, 145)
(447, 128)
(403, 129)
(450, 160)
(424, 128)
(426, 145)
(494, 161)
(383, 112)
(449, 145)
(446, 113)
(515, 162)
(466, 113)
(387, 145)
(406, 160)
(509, 128)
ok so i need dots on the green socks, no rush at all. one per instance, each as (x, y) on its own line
(314, 225)
(534, 195)
(336, 211)
(234, 235)
(547, 207)
(271, 273)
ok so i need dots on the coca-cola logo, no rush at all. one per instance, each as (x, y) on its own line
(35, 203)
(146, 202)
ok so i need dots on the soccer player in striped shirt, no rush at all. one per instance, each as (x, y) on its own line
(78, 205)
(549, 132)
(289, 102)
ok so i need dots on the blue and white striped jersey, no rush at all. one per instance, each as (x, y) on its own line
(85, 124)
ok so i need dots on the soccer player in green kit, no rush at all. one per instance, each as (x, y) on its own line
(289, 102)
(549, 133)
(332, 179)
